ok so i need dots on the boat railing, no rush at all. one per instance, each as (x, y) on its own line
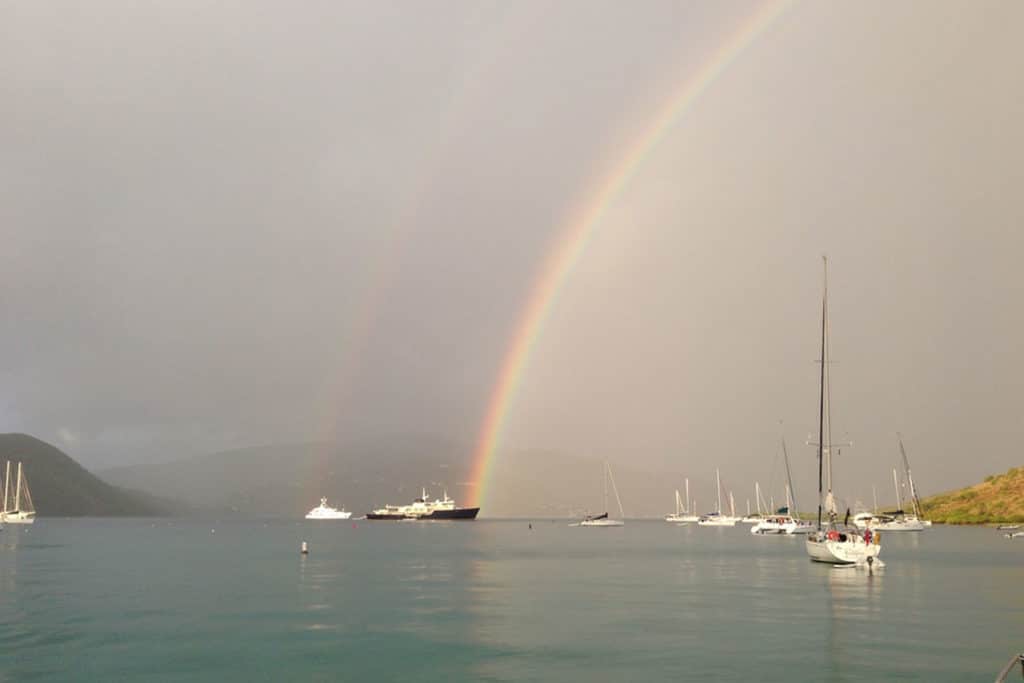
(1016, 659)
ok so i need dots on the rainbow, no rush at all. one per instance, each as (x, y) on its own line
(580, 227)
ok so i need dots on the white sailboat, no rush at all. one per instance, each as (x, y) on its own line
(683, 514)
(760, 514)
(784, 521)
(915, 500)
(716, 518)
(831, 542)
(18, 507)
(603, 520)
(898, 521)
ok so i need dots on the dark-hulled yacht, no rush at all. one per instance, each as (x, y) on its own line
(425, 509)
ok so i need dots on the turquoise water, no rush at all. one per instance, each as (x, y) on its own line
(175, 600)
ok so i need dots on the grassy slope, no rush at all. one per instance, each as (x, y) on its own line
(1000, 498)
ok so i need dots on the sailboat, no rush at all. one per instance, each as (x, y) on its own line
(716, 518)
(682, 515)
(759, 515)
(831, 542)
(783, 521)
(603, 520)
(18, 508)
(915, 500)
(897, 521)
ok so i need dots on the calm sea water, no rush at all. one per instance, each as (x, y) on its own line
(175, 600)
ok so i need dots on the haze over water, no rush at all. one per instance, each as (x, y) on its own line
(170, 600)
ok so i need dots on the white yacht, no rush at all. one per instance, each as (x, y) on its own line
(18, 507)
(325, 511)
(603, 520)
(831, 542)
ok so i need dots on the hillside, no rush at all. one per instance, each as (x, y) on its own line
(1000, 498)
(288, 479)
(60, 487)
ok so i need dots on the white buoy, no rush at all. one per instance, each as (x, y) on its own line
(305, 548)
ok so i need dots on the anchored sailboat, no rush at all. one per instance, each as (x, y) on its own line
(603, 520)
(831, 542)
(716, 518)
(784, 521)
(18, 508)
(898, 520)
(682, 515)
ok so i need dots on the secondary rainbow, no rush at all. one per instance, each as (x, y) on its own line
(580, 227)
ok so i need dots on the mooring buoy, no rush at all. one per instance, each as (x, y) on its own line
(305, 548)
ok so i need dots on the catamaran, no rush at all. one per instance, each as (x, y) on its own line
(603, 520)
(682, 515)
(831, 542)
(18, 508)
(716, 518)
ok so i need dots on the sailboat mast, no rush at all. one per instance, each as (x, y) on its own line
(7, 485)
(615, 490)
(718, 481)
(606, 486)
(821, 399)
(791, 501)
(896, 483)
(687, 495)
(910, 479)
(17, 491)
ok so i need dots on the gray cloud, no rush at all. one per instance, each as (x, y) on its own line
(250, 223)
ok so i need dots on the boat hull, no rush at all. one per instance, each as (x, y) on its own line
(330, 516)
(841, 548)
(465, 514)
(601, 523)
(18, 518)
(889, 523)
(717, 521)
(676, 519)
(457, 513)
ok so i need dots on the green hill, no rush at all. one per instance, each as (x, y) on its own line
(60, 487)
(1000, 498)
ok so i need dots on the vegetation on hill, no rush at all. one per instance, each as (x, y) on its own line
(60, 487)
(1000, 498)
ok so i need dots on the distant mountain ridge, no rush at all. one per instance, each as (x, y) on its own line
(61, 487)
(363, 474)
(1000, 498)
(289, 479)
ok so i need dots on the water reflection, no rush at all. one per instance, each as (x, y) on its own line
(854, 609)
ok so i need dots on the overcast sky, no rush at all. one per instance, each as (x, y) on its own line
(228, 224)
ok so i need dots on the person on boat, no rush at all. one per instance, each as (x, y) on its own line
(867, 536)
